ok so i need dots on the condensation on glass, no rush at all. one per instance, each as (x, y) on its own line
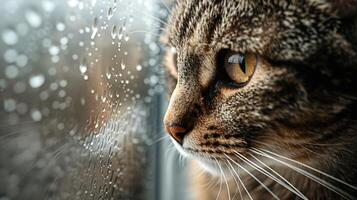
(80, 90)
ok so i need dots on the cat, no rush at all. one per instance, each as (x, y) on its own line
(263, 97)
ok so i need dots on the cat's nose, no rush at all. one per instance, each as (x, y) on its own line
(177, 132)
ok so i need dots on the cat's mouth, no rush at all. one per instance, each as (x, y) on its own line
(211, 158)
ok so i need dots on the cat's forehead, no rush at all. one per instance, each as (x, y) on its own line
(280, 29)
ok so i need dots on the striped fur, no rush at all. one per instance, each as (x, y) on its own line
(301, 101)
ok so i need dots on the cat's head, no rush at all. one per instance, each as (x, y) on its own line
(251, 74)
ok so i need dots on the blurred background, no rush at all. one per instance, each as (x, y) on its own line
(82, 95)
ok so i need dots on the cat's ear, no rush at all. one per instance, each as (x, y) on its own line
(344, 8)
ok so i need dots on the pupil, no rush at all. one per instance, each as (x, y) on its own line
(238, 59)
(242, 63)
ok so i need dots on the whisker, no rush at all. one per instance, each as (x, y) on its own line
(313, 169)
(240, 180)
(165, 6)
(17, 124)
(52, 157)
(170, 151)
(4, 137)
(235, 180)
(254, 177)
(143, 31)
(327, 144)
(151, 16)
(210, 183)
(220, 184)
(308, 175)
(21, 130)
(224, 177)
(296, 191)
(159, 140)
(47, 190)
(182, 160)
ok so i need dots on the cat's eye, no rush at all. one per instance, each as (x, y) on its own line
(240, 67)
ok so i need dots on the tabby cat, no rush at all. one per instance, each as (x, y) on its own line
(263, 97)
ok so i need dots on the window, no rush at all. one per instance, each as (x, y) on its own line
(81, 95)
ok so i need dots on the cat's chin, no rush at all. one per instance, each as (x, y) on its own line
(208, 165)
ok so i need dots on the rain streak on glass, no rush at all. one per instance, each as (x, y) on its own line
(94, 27)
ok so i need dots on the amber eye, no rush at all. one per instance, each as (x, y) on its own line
(240, 67)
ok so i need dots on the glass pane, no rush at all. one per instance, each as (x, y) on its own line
(81, 99)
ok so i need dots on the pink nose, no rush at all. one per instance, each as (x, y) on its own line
(177, 132)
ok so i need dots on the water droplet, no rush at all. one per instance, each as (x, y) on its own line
(9, 105)
(21, 60)
(63, 83)
(46, 43)
(109, 75)
(52, 71)
(81, 5)
(94, 27)
(60, 126)
(9, 37)
(54, 86)
(36, 115)
(139, 67)
(64, 41)
(55, 59)
(54, 50)
(72, 18)
(122, 66)
(114, 31)
(48, 5)
(75, 57)
(11, 72)
(60, 26)
(126, 38)
(44, 95)
(120, 33)
(33, 18)
(154, 79)
(62, 93)
(94, 2)
(83, 66)
(37, 81)
(110, 13)
(72, 3)
(10, 55)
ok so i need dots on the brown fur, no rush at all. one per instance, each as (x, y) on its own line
(300, 103)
